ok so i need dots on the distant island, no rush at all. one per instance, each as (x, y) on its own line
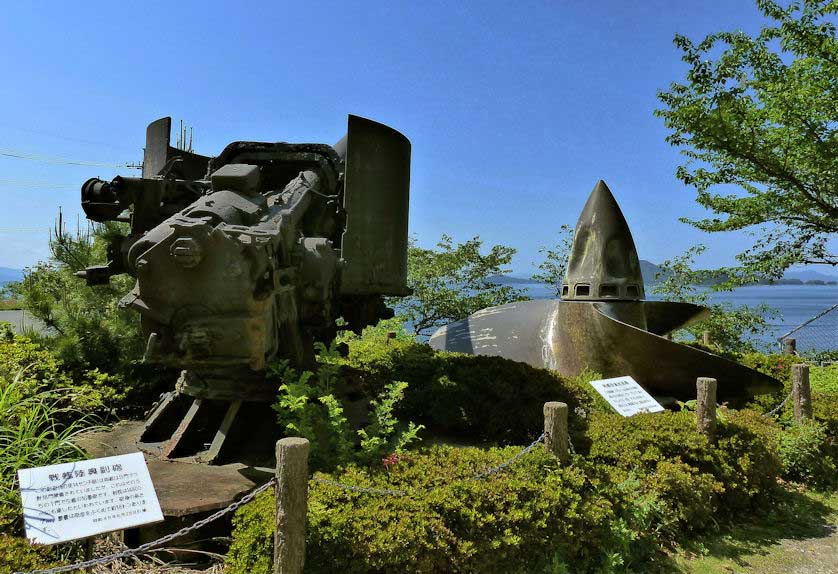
(650, 271)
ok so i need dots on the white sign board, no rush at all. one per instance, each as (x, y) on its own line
(626, 396)
(75, 500)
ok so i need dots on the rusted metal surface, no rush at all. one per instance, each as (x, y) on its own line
(251, 256)
(376, 202)
(183, 487)
(613, 336)
(603, 263)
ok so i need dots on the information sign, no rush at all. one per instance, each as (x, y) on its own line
(75, 500)
(626, 396)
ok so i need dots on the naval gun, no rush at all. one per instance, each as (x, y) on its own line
(249, 256)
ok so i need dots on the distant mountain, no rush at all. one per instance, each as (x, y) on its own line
(511, 280)
(8, 275)
(650, 271)
(809, 275)
(647, 268)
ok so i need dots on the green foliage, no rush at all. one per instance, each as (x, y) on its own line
(38, 427)
(453, 281)
(552, 270)
(726, 476)
(824, 379)
(38, 369)
(805, 453)
(254, 528)
(17, 554)
(649, 481)
(773, 364)
(310, 406)
(468, 397)
(825, 410)
(759, 113)
(532, 515)
(731, 329)
(89, 329)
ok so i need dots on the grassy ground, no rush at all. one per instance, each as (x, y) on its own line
(796, 535)
(9, 305)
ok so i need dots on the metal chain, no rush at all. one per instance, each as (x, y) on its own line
(393, 492)
(776, 409)
(153, 544)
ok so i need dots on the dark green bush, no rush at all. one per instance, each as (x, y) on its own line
(825, 410)
(18, 554)
(726, 477)
(515, 522)
(772, 364)
(473, 398)
(806, 454)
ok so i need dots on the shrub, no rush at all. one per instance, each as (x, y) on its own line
(309, 406)
(772, 364)
(824, 379)
(804, 451)
(470, 397)
(18, 554)
(743, 464)
(532, 514)
(825, 410)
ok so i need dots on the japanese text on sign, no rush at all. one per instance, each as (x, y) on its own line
(75, 500)
(626, 396)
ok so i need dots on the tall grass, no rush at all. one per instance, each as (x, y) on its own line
(38, 427)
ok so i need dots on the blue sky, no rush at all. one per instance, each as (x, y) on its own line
(514, 110)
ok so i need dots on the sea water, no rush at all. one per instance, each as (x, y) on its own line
(794, 304)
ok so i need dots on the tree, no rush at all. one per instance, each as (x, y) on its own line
(731, 329)
(761, 113)
(552, 270)
(89, 328)
(453, 281)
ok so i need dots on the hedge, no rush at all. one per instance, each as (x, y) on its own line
(647, 480)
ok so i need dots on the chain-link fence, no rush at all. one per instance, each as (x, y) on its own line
(816, 335)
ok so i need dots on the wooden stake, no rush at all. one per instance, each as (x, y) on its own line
(556, 440)
(706, 407)
(705, 338)
(291, 505)
(801, 392)
(789, 346)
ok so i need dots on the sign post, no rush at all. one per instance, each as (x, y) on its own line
(626, 396)
(73, 500)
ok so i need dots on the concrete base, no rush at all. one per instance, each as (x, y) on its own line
(184, 487)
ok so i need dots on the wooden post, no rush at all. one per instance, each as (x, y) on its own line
(291, 505)
(706, 407)
(556, 440)
(89, 547)
(705, 338)
(801, 392)
(789, 346)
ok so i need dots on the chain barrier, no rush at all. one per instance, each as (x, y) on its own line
(779, 407)
(155, 543)
(128, 553)
(395, 492)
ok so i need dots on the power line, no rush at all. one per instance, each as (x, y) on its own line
(23, 229)
(110, 145)
(59, 160)
(37, 184)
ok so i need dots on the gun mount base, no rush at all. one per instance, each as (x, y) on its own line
(209, 431)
